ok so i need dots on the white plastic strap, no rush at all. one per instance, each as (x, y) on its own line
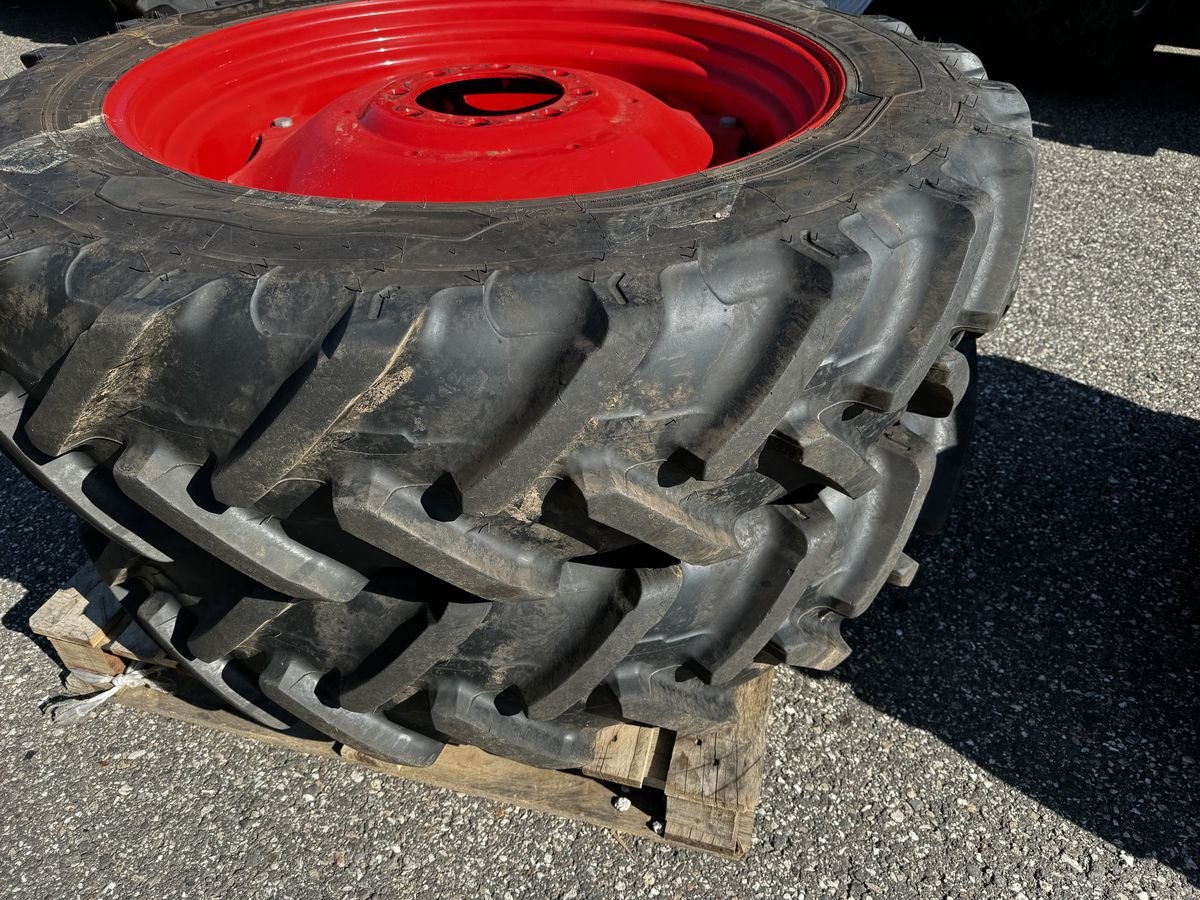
(73, 710)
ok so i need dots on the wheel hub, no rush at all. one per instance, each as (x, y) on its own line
(481, 129)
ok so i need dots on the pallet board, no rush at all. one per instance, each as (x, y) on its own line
(696, 791)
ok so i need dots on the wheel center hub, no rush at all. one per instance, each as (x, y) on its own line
(467, 129)
(490, 94)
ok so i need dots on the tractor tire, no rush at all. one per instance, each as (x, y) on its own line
(1100, 43)
(501, 473)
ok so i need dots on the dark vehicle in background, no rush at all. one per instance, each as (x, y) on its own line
(1090, 44)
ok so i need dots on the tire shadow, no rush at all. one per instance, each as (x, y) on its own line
(1053, 633)
(39, 549)
(54, 22)
(1154, 109)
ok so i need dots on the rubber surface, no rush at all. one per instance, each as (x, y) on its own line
(536, 467)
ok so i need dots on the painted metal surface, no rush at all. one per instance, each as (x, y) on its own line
(474, 100)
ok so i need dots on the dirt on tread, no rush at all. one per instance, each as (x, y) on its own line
(503, 474)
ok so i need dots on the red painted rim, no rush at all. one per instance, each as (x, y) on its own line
(474, 100)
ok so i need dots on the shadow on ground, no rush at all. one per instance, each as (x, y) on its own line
(1155, 109)
(39, 549)
(1053, 634)
(56, 21)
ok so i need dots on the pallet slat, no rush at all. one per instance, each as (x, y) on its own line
(624, 754)
(77, 620)
(715, 779)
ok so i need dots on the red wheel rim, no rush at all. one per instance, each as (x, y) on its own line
(474, 100)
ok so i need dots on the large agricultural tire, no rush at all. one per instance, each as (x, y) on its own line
(502, 472)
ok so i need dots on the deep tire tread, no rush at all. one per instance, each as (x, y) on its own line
(649, 471)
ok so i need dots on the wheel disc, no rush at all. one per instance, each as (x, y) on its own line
(474, 100)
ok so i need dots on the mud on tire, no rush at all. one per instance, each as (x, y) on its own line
(502, 473)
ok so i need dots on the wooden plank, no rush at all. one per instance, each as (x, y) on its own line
(78, 657)
(723, 767)
(79, 612)
(623, 754)
(198, 707)
(715, 779)
(660, 761)
(104, 611)
(133, 643)
(85, 623)
(76, 620)
(465, 770)
(469, 770)
(705, 827)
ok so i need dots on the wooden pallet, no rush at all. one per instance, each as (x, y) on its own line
(697, 791)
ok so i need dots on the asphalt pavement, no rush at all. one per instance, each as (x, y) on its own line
(1021, 723)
